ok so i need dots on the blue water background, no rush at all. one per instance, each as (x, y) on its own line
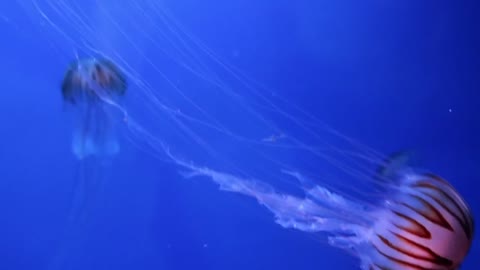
(392, 74)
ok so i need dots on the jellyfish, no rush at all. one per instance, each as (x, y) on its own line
(421, 222)
(90, 85)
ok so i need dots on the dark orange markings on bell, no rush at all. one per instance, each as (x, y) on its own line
(458, 213)
(414, 227)
(429, 212)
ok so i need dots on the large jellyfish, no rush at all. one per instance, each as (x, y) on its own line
(420, 222)
(89, 85)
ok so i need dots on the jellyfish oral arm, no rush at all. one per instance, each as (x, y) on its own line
(327, 212)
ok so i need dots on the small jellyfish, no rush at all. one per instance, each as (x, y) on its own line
(91, 86)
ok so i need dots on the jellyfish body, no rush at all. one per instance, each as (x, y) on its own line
(425, 225)
(422, 223)
(90, 86)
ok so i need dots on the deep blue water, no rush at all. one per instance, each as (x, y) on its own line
(394, 75)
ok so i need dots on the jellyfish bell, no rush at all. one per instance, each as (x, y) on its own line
(92, 78)
(91, 86)
(425, 225)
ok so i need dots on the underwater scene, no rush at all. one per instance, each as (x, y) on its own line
(242, 134)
